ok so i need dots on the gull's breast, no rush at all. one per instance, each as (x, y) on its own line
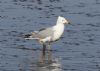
(58, 31)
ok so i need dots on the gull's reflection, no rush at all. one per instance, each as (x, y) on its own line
(29, 65)
(54, 66)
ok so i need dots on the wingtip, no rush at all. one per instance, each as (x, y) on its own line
(27, 36)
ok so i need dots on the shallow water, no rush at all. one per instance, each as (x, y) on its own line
(78, 50)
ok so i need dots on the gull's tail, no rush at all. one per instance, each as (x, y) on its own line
(32, 35)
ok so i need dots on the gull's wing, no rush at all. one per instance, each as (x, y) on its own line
(46, 32)
(41, 34)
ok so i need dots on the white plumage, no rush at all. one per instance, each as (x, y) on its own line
(49, 34)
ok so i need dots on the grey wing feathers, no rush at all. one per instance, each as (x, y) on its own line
(46, 32)
(42, 29)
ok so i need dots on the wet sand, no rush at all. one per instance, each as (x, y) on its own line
(78, 50)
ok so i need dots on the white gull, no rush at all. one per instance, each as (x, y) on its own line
(48, 35)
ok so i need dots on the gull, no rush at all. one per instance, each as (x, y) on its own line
(46, 36)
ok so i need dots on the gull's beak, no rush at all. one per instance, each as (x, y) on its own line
(68, 22)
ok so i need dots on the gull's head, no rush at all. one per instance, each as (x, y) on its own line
(63, 20)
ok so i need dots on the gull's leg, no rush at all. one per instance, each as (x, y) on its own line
(49, 53)
(43, 53)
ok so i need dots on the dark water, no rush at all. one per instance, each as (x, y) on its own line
(78, 50)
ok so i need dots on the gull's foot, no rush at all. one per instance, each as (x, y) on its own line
(41, 63)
